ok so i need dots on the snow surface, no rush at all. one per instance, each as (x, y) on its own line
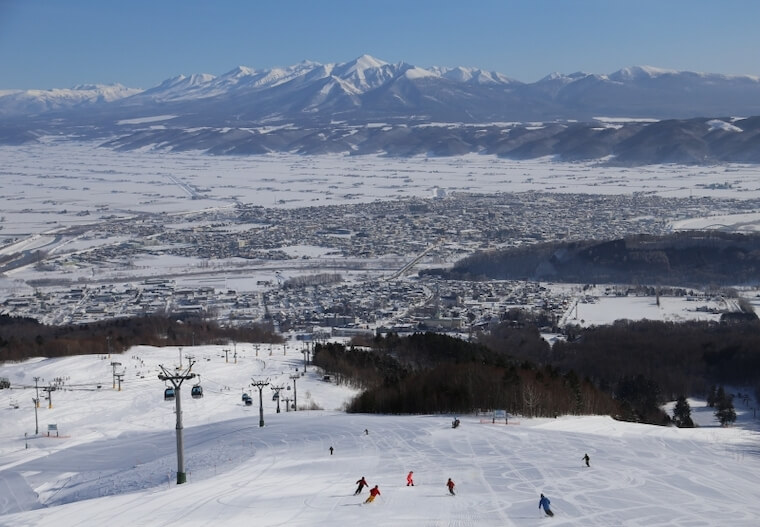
(53, 185)
(717, 124)
(604, 310)
(115, 460)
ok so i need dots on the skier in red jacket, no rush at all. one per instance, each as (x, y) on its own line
(362, 483)
(373, 493)
(450, 485)
(410, 479)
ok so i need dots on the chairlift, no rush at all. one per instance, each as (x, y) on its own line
(245, 396)
(169, 394)
(248, 402)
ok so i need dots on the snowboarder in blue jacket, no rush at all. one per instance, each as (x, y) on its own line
(544, 502)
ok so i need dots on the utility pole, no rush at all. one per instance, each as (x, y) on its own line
(176, 380)
(260, 385)
(113, 365)
(37, 391)
(226, 355)
(295, 397)
(180, 357)
(36, 422)
(118, 379)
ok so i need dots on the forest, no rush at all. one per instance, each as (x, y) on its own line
(433, 373)
(22, 338)
(627, 370)
(688, 259)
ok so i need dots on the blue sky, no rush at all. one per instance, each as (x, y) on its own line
(139, 43)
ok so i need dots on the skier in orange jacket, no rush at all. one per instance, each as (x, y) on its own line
(373, 493)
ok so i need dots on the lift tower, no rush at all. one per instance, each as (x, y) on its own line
(176, 379)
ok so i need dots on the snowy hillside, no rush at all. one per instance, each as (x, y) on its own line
(114, 461)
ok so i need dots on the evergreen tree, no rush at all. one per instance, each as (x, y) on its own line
(682, 413)
(724, 411)
(712, 396)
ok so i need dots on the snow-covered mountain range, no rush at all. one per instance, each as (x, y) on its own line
(322, 100)
(370, 88)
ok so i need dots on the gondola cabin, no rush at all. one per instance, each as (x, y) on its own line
(196, 392)
(169, 394)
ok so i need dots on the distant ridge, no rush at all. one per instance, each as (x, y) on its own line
(221, 114)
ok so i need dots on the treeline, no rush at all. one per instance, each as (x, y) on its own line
(646, 363)
(627, 369)
(432, 373)
(22, 338)
(691, 258)
(311, 280)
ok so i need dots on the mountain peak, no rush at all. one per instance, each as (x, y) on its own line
(240, 71)
(640, 72)
(368, 61)
(562, 77)
(360, 64)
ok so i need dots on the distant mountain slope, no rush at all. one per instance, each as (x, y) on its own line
(692, 259)
(692, 141)
(337, 107)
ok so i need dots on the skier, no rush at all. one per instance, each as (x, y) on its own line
(409, 479)
(544, 502)
(373, 493)
(331, 450)
(366, 432)
(450, 485)
(362, 483)
(586, 459)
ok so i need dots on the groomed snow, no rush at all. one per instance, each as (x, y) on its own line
(115, 461)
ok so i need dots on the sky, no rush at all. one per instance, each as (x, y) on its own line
(113, 459)
(55, 44)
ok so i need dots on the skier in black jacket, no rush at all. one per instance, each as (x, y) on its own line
(362, 483)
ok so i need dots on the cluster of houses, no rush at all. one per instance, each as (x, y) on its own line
(377, 247)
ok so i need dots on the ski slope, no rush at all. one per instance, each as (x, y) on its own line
(114, 462)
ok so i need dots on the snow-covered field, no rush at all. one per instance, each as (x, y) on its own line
(115, 460)
(59, 184)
